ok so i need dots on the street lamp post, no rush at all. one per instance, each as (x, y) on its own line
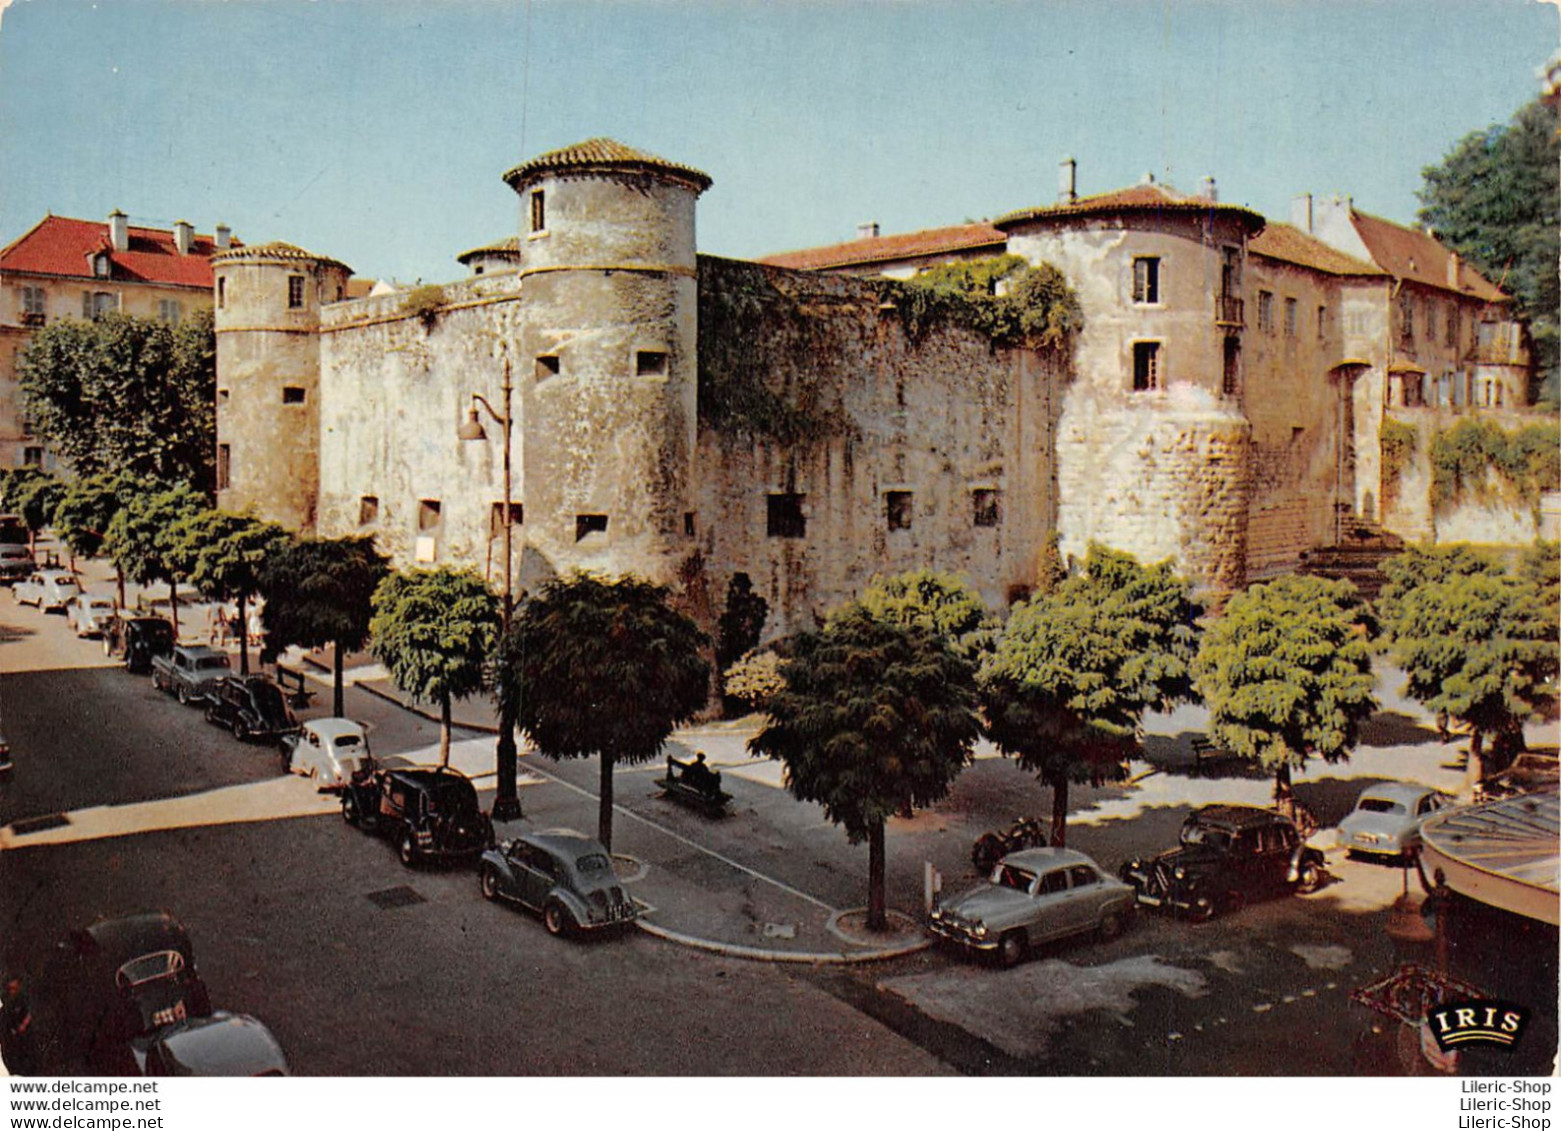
(506, 804)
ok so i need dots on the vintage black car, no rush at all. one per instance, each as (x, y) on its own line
(567, 877)
(105, 988)
(1228, 854)
(138, 640)
(251, 706)
(430, 811)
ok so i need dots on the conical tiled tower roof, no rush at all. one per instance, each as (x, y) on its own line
(603, 155)
(276, 249)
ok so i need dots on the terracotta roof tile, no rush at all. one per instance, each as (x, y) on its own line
(882, 249)
(602, 154)
(1291, 245)
(1414, 255)
(276, 249)
(1138, 198)
(59, 245)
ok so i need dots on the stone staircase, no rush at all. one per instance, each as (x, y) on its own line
(1356, 558)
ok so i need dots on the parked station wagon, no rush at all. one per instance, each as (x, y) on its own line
(430, 811)
(1386, 820)
(565, 876)
(1228, 854)
(190, 671)
(139, 640)
(1034, 896)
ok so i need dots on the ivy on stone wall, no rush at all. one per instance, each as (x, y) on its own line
(1398, 442)
(1526, 462)
(424, 302)
(1003, 297)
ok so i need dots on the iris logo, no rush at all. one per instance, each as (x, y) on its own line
(1459, 1024)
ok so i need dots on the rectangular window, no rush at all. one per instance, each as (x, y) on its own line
(589, 524)
(1146, 279)
(496, 518)
(547, 366)
(224, 466)
(1292, 317)
(1453, 320)
(987, 506)
(169, 311)
(1265, 311)
(429, 512)
(295, 292)
(1430, 323)
(32, 457)
(538, 211)
(103, 303)
(1322, 322)
(32, 306)
(292, 394)
(899, 509)
(368, 510)
(1231, 383)
(784, 517)
(688, 524)
(1146, 366)
(222, 293)
(1406, 318)
(650, 363)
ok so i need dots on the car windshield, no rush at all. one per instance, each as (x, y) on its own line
(1210, 838)
(455, 795)
(593, 863)
(268, 699)
(1379, 805)
(349, 740)
(67, 583)
(206, 663)
(158, 632)
(100, 604)
(1008, 876)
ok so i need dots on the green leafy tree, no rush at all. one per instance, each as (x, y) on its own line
(224, 555)
(877, 717)
(753, 679)
(14, 481)
(319, 592)
(126, 394)
(1494, 199)
(1076, 668)
(941, 603)
(37, 499)
(741, 623)
(602, 667)
(87, 511)
(435, 631)
(141, 536)
(1286, 674)
(1474, 642)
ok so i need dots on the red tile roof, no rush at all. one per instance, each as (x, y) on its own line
(1291, 245)
(277, 249)
(1414, 255)
(881, 249)
(1138, 198)
(58, 245)
(603, 154)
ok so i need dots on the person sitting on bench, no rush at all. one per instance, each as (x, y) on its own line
(698, 775)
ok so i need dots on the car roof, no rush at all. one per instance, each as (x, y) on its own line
(56, 574)
(426, 776)
(1238, 816)
(224, 1044)
(565, 842)
(1042, 858)
(1397, 791)
(201, 651)
(129, 936)
(333, 727)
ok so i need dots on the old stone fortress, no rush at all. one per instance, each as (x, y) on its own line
(685, 417)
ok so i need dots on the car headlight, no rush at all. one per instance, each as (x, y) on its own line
(1180, 873)
(979, 930)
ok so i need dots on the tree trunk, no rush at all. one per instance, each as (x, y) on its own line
(877, 919)
(243, 636)
(119, 580)
(1059, 834)
(173, 605)
(444, 729)
(1284, 796)
(506, 802)
(604, 813)
(338, 666)
(1474, 771)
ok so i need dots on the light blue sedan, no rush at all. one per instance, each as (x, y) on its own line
(1387, 819)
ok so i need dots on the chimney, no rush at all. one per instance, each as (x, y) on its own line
(1301, 212)
(224, 237)
(1454, 271)
(1211, 192)
(183, 236)
(1067, 181)
(119, 230)
(867, 231)
(1147, 178)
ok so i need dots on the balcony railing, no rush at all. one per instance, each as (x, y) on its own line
(1229, 311)
(32, 318)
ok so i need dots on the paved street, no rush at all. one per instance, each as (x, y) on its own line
(319, 930)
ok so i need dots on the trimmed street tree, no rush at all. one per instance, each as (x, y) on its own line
(140, 537)
(319, 592)
(82, 519)
(1076, 668)
(126, 394)
(942, 603)
(876, 719)
(37, 499)
(1475, 642)
(223, 555)
(602, 667)
(1286, 674)
(435, 631)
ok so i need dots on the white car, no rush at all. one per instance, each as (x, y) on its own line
(1387, 819)
(328, 750)
(49, 589)
(87, 613)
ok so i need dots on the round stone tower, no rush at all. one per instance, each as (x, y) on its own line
(268, 378)
(606, 368)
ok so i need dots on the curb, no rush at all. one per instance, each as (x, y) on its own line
(379, 693)
(756, 954)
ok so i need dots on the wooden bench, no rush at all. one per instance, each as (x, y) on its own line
(1206, 753)
(705, 795)
(294, 686)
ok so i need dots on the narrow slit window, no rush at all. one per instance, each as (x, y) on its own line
(295, 292)
(1146, 366)
(368, 510)
(224, 466)
(538, 211)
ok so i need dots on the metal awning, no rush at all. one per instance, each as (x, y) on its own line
(1506, 853)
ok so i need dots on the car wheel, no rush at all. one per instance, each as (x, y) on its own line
(182, 695)
(349, 810)
(240, 731)
(490, 884)
(408, 849)
(1111, 926)
(108, 647)
(1309, 878)
(1011, 948)
(556, 919)
(1202, 909)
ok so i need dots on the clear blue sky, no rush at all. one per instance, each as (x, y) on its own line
(377, 132)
